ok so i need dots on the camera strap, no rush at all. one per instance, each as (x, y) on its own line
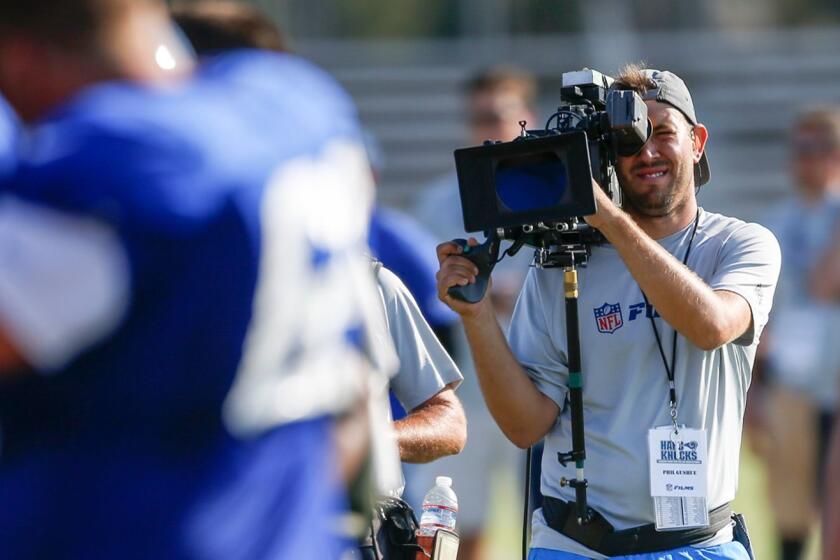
(670, 368)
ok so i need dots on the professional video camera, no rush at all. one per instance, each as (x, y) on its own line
(535, 189)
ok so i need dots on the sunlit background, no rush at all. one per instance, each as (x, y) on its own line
(750, 66)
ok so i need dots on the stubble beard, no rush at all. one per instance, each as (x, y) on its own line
(657, 203)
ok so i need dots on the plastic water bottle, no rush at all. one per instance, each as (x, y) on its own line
(440, 506)
(439, 509)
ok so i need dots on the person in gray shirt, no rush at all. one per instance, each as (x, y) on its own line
(671, 272)
(799, 347)
(408, 359)
(425, 381)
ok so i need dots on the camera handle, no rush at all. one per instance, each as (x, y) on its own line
(578, 452)
(485, 257)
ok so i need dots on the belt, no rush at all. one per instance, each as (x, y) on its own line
(600, 536)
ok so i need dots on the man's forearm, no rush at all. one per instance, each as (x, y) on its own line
(682, 298)
(522, 412)
(435, 429)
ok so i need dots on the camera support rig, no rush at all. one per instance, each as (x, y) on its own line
(569, 249)
(570, 256)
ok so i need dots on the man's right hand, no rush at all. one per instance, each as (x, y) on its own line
(522, 412)
(457, 270)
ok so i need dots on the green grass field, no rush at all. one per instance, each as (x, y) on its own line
(505, 534)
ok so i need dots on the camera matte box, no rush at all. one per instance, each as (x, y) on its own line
(479, 169)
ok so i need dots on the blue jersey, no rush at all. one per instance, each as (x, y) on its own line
(9, 129)
(214, 218)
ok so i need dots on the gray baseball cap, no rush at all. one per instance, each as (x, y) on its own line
(672, 90)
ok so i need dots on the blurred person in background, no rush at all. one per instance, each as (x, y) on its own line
(801, 354)
(407, 249)
(427, 376)
(395, 238)
(216, 26)
(424, 385)
(496, 99)
(183, 295)
(825, 283)
(425, 381)
(435, 425)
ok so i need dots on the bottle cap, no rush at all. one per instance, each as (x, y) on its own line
(443, 481)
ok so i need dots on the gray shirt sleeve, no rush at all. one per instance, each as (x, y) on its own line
(425, 367)
(749, 265)
(530, 338)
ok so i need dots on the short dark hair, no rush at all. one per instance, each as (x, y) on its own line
(220, 25)
(824, 119)
(503, 78)
(71, 23)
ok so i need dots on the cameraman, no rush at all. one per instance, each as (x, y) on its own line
(690, 291)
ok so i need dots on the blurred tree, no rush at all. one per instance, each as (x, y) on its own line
(667, 14)
(365, 19)
(804, 12)
(373, 19)
(544, 16)
(402, 18)
(422, 18)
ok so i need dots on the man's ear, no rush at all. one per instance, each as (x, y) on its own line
(700, 136)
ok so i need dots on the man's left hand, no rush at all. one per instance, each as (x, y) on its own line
(604, 208)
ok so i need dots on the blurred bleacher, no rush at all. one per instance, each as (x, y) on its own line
(747, 86)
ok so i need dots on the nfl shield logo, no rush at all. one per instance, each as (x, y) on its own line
(608, 317)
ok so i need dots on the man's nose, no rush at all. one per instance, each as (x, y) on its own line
(649, 151)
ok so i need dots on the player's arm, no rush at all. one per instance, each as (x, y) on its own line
(12, 361)
(522, 412)
(434, 429)
(708, 318)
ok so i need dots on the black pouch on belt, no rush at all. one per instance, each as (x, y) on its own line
(601, 536)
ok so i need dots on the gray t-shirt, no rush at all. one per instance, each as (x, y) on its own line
(425, 367)
(625, 389)
(422, 370)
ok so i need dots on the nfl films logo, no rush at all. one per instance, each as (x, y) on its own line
(608, 317)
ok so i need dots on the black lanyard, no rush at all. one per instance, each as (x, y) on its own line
(669, 369)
